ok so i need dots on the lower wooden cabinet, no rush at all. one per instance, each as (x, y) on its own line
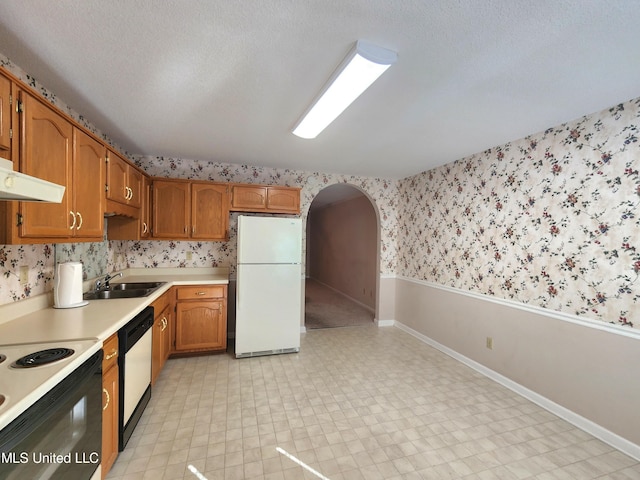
(201, 319)
(161, 343)
(110, 409)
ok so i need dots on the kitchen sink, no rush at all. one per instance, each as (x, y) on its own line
(136, 285)
(124, 290)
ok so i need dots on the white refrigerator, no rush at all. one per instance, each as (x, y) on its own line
(269, 286)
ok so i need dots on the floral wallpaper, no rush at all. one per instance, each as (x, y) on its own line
(550, 220)
(38, 260)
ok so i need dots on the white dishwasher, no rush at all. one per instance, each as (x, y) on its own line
(135, 372)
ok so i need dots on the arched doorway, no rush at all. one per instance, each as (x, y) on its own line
(342, 259)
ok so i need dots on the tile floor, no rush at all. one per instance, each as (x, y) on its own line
(355, 403)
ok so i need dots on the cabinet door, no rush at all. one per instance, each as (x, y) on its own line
(110, 409)
(250, 198)
(171, 210)
(145, 208)
(167, 335)
(157, 347)
(209, 211)
(109, 419)
(5, 116)
(283, 199)
(117, 178)
(134, 182)
(46, 150)
(200, 325)
(88, 175)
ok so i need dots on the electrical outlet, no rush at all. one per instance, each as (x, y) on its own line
(24, 274)
(189, 256)
(490, 343)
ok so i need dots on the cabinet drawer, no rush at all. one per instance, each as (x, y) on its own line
(200, 292)
(110, 349)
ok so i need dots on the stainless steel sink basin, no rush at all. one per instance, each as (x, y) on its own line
(124, 290)
(135, 285)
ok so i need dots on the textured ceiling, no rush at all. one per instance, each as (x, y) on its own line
(226, 81)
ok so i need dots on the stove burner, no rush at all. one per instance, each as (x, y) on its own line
(2, 359)
(43, 357)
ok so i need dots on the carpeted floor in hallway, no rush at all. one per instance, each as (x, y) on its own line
(327, 308)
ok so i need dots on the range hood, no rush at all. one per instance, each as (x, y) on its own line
(18, 186)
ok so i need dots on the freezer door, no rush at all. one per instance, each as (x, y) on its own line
(268, 309)
(269, 240)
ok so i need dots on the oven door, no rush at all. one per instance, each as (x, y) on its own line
(59, 436)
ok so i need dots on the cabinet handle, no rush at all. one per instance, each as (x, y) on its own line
(79, 224)
(73, 224)
(111, 355)
(164, 323)
(193, 230)
(145, 228)
(201, 293)
(106, 405)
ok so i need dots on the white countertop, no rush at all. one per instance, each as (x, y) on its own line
(101, 318)
(35, 322)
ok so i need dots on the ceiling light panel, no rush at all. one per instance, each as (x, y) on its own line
(362, 66)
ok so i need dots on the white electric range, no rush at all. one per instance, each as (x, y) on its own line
(21, 387)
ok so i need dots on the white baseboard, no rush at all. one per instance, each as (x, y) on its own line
(616, 441)
(385, 323)
(357, 302)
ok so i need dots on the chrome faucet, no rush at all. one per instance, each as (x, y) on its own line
(103, 284)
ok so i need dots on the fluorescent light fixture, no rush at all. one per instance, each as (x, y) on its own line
(364, 64)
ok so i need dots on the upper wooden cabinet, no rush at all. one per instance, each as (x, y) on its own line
(209, 211)
(5, 116)
(52, 149)
(124, 186)
(171, 209)
(263, 198)
(184, 209)
(145, 208)
(46, 150)
(88, 178)
(131, 228)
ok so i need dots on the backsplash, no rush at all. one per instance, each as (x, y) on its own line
(39, 260)
(550, 220)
